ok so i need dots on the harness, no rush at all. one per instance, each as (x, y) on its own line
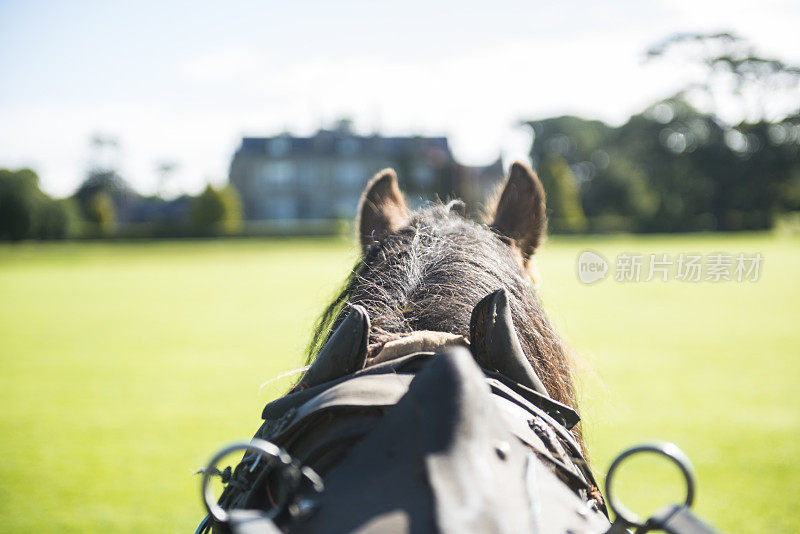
(432, 433)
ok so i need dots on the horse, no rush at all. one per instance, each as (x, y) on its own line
(438, 396)
(426, 270)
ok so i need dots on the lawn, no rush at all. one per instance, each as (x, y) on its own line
(124, 366)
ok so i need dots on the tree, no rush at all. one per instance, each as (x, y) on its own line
(591, 172)
(58, 219)
(103, 179)
(673, 168)
(619, 196)
(707, 176)
(563, 200)
(102, 214)
(165, 169)
(19, 198)
(216, 212)
(26, 212)
(734, 70)
(107, 182)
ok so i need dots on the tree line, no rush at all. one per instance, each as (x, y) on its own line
(673, 167)
(105, 206)
(668, 169)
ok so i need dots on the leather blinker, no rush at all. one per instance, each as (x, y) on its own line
(494, 341)
(344, 353)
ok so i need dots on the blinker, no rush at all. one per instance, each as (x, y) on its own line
(494, 343)
(344, 353)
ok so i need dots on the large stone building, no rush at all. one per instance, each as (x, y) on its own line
(287, 178)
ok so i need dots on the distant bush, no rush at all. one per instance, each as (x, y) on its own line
(58, 219)
(101, 215)
(19, 193)
(216, 212)
(28, 213)
(788, 224)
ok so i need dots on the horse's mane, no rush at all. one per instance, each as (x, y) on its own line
(430, 274)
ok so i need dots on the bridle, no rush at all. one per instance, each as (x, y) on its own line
(452, 438)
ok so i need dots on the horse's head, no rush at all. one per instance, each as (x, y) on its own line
(426, 270)
(518, 217)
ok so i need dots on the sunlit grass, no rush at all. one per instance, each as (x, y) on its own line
(124, 366)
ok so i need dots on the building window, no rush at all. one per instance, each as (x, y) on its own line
(308, 174)
(423, 176)
(278, 146)
(349, 174)
(278, 172)
(345, 207)
(281, 208)
(348, 146)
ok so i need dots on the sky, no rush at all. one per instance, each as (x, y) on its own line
(182, 82)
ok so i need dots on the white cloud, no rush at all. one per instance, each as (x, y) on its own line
(224, 65)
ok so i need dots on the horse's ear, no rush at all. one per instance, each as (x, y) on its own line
(520, 212)
(382, 209)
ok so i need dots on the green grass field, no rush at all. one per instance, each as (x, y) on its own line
(124, 366)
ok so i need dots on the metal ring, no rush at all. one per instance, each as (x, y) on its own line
(258, 446)
(670, 451)
(204, 525)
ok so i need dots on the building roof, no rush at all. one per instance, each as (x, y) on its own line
(337, 142)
